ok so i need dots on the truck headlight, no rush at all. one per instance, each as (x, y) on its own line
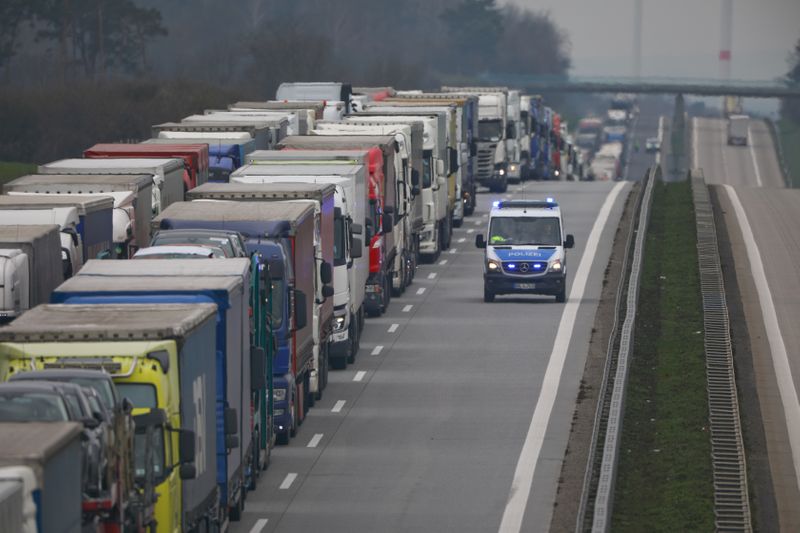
(338, 323)
(493, 265)
(513, 168)
(279, 395)
(502, 172)
(556, 266)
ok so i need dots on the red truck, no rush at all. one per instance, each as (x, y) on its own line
(195, 157)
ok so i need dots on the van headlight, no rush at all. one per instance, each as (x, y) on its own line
(556, 266)
(492, 265)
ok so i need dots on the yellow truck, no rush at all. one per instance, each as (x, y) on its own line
(162, 359)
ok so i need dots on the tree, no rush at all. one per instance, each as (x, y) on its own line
(13, 14)
(473, 29)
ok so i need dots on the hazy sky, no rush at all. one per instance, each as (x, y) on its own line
(680, 37)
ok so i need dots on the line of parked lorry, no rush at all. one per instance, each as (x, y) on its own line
(603, 142)
(148, 393)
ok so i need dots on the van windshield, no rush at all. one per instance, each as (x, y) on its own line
(525, 230)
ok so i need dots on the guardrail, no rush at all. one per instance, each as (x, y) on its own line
(776, 139)
(598, 489)
(728, 461)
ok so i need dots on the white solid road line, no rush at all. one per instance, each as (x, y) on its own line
(432, 275)
(753, 155)
(377, 350)
(407, 308)
(780, 359)
(393, 328)
(259, 526)
(443, 262)
(695, 136)
(661, 137)
(421, 290)
(287, 482)
(314, 442)
(526, 465)
(359, 375)
(337, 407)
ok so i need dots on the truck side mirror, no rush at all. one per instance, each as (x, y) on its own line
(439, 167)
(337, 212)
(276, 269)
(570, 242)
(415, 190)
(480, 241)
(357, 229)
(414, 177)
(300, 309)
(187, 471)
(453, 159)
(511, 131)
(325, 273)
(186, 443)
(356, 249)
(473, 149)
(327, 291)
(258, 368)
(388, 223)
(231, 422)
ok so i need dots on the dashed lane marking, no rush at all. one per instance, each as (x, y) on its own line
(288, 480)
(337, 407)
(259, 526)
(393, 328)
(314, 442)
(377, 350)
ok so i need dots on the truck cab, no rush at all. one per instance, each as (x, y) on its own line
(525, 249)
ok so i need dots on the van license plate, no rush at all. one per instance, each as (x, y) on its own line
(525, 286)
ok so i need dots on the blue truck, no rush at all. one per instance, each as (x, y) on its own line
(226, 150)
(281, 235)
(241, 362)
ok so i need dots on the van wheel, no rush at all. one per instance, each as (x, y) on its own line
(488, 295)
(561, 297)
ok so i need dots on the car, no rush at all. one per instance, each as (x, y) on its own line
(526, 249)
(652, 145)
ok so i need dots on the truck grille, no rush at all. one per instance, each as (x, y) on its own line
(485, 161)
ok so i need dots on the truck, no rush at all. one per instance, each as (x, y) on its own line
(281, 235)
(467, 134)
(226, 149)
(277, 124)
(737, 129)
(408, 201)
(606, 164)
(166, 174)
(329, 228)
(350, 266)
(337, 96)
(262, 133)
(380, 208)
(291, 116)
(95, 215)
(493, 135)
(40, 477)
(438, 184)
(131, 193)
(241, 363)
(30, 257)
(195, 157)
(308, 112)
(65, 217)
(162, 359)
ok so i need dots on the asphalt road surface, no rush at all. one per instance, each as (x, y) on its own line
(763, 220)
(456, 414)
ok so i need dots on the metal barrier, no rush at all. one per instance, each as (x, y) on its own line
(731, 501)
(776, 139)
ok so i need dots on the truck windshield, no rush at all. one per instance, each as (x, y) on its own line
(427, 169)
(32, 407)
(141, 395)
(140, 450)
(338, 242)
(525, 230)
(277, 303)
(490, 130)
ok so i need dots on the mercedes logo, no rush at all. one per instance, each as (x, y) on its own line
(524, 267)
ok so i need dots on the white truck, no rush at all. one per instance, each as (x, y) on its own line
(337, 96)
(67, 220)
(30, 263)
(737, 129)
(131, 193)
(350, 264)
(307, 112)
(167, 174)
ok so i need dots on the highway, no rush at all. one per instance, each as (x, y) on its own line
(456, 414)
(761, 218)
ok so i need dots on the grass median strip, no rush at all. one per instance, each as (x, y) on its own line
(664, 478)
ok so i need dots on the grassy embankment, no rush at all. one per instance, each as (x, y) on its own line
(789, 132)
(665, 479)
(9, 171)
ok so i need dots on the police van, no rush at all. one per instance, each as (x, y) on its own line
(525, 249)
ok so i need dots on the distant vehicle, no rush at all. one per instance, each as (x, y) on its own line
(179, 252)
(737, 129)
(526, 250)
(652, 144)
(615, 134)
(616, 116)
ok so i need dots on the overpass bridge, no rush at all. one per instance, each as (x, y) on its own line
(687, 86)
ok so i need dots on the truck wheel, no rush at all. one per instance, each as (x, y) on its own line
(235, 512)
(457, 223)
(504, 186)
(401, 280)
(255, 464)
(282, 439)
(293, 427)
(488, 295)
